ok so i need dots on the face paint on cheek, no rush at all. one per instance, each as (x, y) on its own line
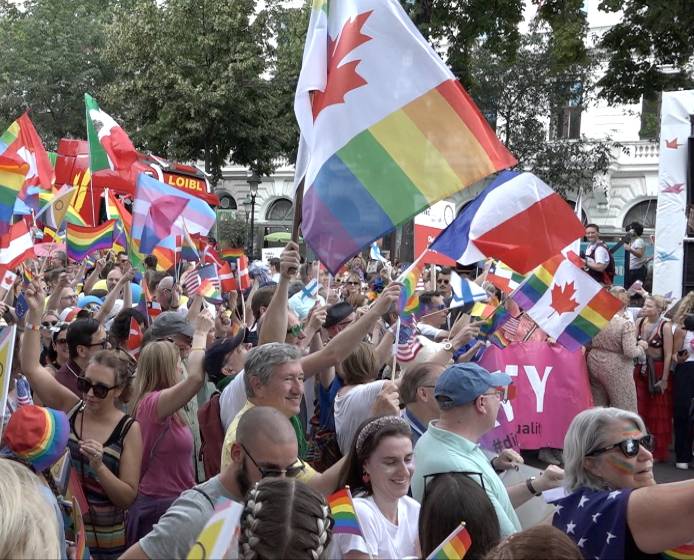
(620, 465)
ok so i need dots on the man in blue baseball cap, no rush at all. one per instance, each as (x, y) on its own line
(469, 398)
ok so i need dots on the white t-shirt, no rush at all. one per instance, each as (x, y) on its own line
(430, 332)
(351, 409)
(232, 400)
(383, 539)
(600, 255)
(634, 261)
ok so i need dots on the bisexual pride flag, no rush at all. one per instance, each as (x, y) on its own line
(386, 129)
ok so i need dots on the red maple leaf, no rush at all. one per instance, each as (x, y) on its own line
(672, 144)
(562, 298)
(342, 78)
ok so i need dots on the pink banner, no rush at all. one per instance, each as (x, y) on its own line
(551, 388)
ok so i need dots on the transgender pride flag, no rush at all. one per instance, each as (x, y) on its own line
(386, 128)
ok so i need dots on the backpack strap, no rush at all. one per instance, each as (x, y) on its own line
(204, 494)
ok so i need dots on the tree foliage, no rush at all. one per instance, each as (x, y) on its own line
(189, 76)
(525, 100)
(650, 50)
(51, 55)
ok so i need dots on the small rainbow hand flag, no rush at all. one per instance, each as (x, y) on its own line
(455, 546)
(409, 298)
(684, 552)
(230, 255)
(82, 241)
(344, 514)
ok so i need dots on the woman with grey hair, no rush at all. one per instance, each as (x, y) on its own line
(615, 509)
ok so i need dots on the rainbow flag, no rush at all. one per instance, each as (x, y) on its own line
(409, 298)
(82, 241)
(377, 149)
(344, 514)
(455, 546)
(12, 173)
(230, 255)
(684, 552)
(565, 302)
(482, 310)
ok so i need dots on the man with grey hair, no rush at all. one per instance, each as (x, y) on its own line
(417, 394)
(168, 294)
(469, 398)
(266, 446)
(274, 377)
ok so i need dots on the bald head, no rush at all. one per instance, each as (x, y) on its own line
(266, 422)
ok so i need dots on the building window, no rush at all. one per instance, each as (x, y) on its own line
(567, 119)
(642, 212)
(584, 216)
(227, 202)
(281, 210)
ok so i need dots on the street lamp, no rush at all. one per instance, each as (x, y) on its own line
(253, 182)
(246, 212)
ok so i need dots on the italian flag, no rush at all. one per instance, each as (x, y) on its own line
(110, 147)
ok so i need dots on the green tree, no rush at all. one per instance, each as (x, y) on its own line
(458, 27)
(51, 55)
(526, 99)
(189, 82)
(650, 50)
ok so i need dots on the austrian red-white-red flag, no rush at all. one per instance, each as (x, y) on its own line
(227, 278)
(15, 246)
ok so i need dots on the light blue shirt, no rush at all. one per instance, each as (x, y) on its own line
(441, 451)
(301, 304)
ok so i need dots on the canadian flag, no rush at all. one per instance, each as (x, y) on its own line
(8, 280)
(134, 337)
(244, 278)
(15, 246)
(227, 278)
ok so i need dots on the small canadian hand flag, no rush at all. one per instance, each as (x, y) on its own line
(134, 337)
(8, 280)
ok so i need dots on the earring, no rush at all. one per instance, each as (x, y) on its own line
(365, 477)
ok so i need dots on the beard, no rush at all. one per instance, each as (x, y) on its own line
(242, 480)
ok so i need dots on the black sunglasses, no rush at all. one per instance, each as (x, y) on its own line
(292, 471)
(629, 447)
(103, 343)
(48, 324)
(99, 389)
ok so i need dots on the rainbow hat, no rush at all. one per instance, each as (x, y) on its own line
(37, 435)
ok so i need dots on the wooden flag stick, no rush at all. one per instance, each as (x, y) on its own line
(298, 206)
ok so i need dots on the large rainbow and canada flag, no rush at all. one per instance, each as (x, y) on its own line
(565, 302)
(386, 129)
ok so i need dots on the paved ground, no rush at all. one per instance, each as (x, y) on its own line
(664, 472)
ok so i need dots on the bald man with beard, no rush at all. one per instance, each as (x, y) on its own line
(265, 446)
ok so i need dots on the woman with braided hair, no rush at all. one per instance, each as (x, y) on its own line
(284, 518)
(378, 471)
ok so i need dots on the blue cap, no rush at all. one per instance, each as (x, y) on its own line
(462, 383)
(84, 301)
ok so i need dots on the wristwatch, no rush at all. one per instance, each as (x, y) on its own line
(531, 488)
(447, 346)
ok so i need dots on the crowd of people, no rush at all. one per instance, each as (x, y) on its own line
(282, 395)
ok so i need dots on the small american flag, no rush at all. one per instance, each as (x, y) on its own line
(408, 343)
(23, 392)
(595, 520)
(192, 283)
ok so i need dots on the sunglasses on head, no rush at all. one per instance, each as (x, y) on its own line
(629, 447)
(99, 389)
(296, 330)
(292, 471)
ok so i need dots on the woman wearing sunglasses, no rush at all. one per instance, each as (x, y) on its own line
(160, 405)
(616, 509)
(378, 471)
(57, 353)
(105, 444)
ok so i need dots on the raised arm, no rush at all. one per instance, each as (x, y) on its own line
(53, 303)
(51, 392)
(667, 355)
(660, 516)
(93, 277)
(123, 282)
(340, 347)
(274, 327)
(174, 398)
